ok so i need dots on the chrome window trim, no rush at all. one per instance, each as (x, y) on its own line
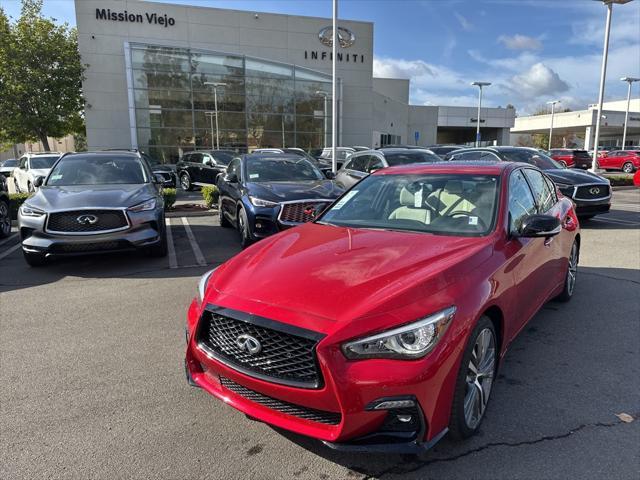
(305, 200)
(82, 234)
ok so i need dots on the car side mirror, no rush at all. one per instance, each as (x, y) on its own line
(329, 174)
(157, 178)
(38, 181)
(209, 162)
(539, 226)
(232, 178)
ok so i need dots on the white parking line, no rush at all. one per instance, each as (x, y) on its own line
(173, 262)
(9, 251)
(614, 220)
(8, 239)
(194, 245)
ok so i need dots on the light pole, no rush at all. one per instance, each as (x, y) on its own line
(553, 105)
(479, 85)
(334, 90)
(215, 86)
(629, 80)
(325, 95)
(603, 74)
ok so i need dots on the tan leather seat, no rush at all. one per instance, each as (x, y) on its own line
(408, 209)
(450, 199)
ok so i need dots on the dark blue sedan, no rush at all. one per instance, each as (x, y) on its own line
(262, 194)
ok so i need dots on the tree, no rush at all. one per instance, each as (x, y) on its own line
(40, 77)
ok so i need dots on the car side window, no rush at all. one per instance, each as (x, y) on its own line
(234, 168)
(207, 160)
(521, 202)
(358, 163)
(375, 163)
(542, 193)
(196, 158)
(552, 187)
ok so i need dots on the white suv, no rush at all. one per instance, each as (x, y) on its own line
(31, 166)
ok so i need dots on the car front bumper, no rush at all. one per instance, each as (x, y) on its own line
(340, 412)
(145, 230)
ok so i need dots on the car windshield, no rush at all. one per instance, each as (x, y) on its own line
(43, 162)
(439, 204)
(281, 170)
(538, 159)
(97, 170)
(410, 156)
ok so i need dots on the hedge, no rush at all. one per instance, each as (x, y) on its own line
(620, 180)
(17, 199)
(210, 194)
(169, 195)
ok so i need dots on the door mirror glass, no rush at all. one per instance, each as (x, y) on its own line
(539, 226)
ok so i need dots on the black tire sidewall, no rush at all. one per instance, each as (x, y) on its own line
(458, 428)
(245, 232)
(4, 234)
(190, 186)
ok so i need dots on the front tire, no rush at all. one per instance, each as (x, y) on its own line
(627, 167)
(571, 276)
(224, 221)
(475, 380)
(160, 249)
(16, 185)
(5, 219)
(185, 182)
(30, 188)
(34, 259)
(246, 238)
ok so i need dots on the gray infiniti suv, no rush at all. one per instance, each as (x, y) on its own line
(94, 202)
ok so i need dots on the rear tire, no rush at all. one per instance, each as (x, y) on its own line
(571, 276)
(34, 259)
(475, 380)
(5, 219)
(628, 167)
(185, 182)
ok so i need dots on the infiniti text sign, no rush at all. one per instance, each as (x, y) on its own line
(125, 16)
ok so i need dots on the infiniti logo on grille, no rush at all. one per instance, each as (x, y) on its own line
(249, 344)
(87, 219)
(594, 190)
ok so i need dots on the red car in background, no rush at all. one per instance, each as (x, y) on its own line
(626, 160)
(380, 325)
(571, 158)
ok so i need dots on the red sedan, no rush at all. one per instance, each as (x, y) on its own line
(626, 160)
(380, 325)
(571, 158)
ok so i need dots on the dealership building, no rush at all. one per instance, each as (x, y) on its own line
(159, 74)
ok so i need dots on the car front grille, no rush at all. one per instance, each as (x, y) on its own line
(592, 192)
(320, 416)
(87, 221)
(286, 354)
(300, 212)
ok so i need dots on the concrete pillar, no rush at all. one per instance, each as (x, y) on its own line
(504, 136)
(588, 138)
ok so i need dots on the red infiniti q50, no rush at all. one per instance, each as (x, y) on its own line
(380, 326)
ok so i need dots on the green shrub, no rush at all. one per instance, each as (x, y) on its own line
(210, 194)
(169, 195)
(620, 180)
(17, 199)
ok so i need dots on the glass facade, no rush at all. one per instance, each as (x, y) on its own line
(260, 104)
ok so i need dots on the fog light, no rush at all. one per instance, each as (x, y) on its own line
(405, 418)
(258, 225)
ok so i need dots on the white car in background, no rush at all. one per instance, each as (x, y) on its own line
(7, 167)
(30, 167)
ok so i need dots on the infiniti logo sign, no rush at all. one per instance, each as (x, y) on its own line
(87, 219)
(346, 37)
(248, 344)
(594, 190)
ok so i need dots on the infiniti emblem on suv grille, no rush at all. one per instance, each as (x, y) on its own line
(248, 344)
(87, 219)
(594, 190)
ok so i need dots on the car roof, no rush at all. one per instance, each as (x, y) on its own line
(272, 156)
(103, 153)
(468, 167)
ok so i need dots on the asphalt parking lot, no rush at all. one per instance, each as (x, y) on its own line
(93, 386)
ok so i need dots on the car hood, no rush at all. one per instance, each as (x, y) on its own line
(50, 198)
(39, 172)
(574, 177)
(287, 191)
(338, 274)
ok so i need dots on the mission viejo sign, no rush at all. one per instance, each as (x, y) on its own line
(151, 18)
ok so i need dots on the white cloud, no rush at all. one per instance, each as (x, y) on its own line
(520, 42)
(464, 23)
(537, 81)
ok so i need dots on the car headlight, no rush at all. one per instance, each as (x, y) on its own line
(202, 284)
(410, 341)
(27, 211)
(258, 202)
(144, 206)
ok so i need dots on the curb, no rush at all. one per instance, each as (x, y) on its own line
(624, 187)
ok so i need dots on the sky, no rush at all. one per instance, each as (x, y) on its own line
(532, 51)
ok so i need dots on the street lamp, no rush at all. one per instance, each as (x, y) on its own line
(325, 95)
(215, 86)
(629, 80)
(603, 74)
(334, 89)
(553, 105)
(480, 85)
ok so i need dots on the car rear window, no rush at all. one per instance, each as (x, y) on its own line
(409, 157)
